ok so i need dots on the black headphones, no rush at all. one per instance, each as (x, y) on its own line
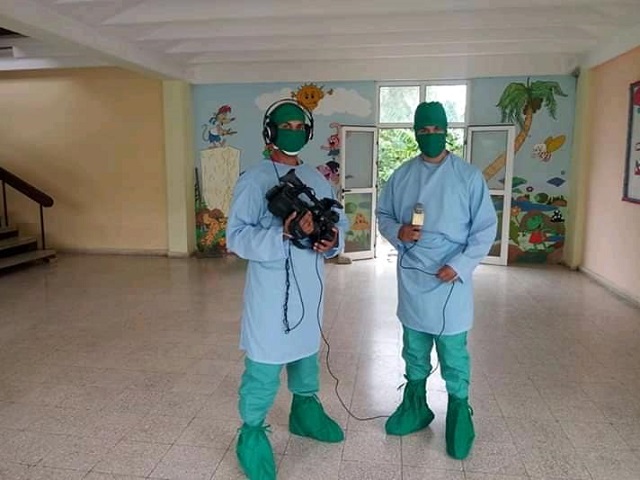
(270, 129)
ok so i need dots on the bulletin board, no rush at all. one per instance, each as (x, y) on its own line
(631, 191)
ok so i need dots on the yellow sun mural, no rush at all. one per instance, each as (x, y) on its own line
(309, 95)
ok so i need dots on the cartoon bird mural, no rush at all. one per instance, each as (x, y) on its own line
(309, 95)
(545, 150)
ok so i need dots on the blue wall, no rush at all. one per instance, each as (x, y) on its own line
(541, 184)
(359, 98)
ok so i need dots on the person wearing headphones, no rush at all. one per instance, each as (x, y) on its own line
(283, 296)
(435, 264)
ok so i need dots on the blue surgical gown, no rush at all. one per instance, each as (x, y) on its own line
(459, 229)
(255, 234)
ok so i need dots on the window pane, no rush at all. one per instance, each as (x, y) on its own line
(455, 141)
(452, 97)
(487, 147)
(395, 145)
(397, 104)
(358, 148)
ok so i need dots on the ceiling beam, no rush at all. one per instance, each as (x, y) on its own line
(24, 47)
(447, 68)
(160, 11)
(391, 40)
(380, 52)
(515, 18)
(11, 64)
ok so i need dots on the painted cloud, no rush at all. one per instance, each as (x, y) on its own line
(340, 100)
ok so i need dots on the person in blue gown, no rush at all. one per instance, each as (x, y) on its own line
(436, 261)
(283, 294)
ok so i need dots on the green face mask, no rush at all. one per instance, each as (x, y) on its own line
(432, 144)
(291, 141)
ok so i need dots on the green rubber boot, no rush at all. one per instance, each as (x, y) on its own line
(308, 419)
(413, 414)
(460, 433)
(255, 454)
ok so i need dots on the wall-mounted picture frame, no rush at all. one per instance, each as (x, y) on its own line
(631, 188)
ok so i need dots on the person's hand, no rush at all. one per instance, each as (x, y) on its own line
(306, 223)
(287, 225)
(324, 246)
(447, 274)
(410, 233)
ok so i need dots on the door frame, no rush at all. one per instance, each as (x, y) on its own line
(503, 258)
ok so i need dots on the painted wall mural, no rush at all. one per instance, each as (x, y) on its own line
(331, 169)
(230, 140)
(219, 169)
(542, 110)
(218, 127)
(358, 208)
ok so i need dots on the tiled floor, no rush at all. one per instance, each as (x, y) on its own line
(121, 368)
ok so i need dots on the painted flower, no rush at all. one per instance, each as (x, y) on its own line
(529, 189)
(515, 211)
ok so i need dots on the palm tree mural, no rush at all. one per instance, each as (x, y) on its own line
(518, 104)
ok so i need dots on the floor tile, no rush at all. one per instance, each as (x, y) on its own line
(132, 458)
(184, 462)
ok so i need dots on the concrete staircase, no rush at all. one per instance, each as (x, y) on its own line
(16, 250)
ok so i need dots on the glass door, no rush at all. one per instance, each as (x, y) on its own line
(358, 158)
(491, 149)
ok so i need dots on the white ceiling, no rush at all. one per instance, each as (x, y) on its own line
(207, 41)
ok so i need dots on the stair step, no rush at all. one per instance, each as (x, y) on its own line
(8, 243)
(32, 256)
(8, 232)
(17, 245)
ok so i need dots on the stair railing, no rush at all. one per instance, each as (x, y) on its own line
(29, 191)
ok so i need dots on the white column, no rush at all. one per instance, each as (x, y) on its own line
(579, 172)
(179, 155)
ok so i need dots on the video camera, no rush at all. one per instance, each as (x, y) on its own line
(285, 198)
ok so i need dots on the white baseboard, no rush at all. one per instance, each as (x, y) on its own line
(625, 295)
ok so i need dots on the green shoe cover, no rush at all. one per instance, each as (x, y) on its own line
(308, 419)
(413, 414)
(255, 454)
(459, 431)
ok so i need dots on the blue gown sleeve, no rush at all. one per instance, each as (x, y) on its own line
(388, 224)
(482, 231)
(246, 237)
